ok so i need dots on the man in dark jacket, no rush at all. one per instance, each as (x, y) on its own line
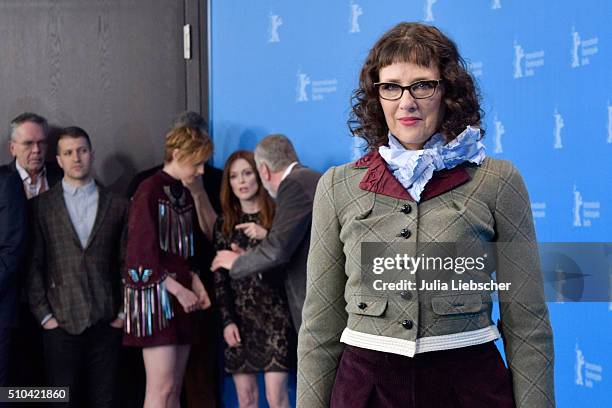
(74, 276)
(12, 239)
(287, 243)
(28, 144)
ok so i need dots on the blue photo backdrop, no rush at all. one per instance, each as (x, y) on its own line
(545, 73)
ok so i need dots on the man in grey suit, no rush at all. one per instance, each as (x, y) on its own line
(285, 248)
(74, 280)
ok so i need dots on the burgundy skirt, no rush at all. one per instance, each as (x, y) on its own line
(470, 377)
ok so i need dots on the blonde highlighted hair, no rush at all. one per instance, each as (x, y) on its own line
(192, 145)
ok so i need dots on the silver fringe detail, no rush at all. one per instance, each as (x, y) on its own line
(147, 309)
(175, 229)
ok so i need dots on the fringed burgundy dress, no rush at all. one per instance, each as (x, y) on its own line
(160, 243)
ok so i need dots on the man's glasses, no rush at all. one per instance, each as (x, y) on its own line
(29, 144)
(419, 90)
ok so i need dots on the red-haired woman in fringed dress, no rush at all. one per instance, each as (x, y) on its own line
(161, 289)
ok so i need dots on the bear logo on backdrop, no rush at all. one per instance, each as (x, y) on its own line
(538, 210)
(303, 80)
(609, 140)
(584, 212)
(579, 366)
(575, 48)
(525, 64)
(274, 22)
(577, 208)
(356, 12)
(497, 138)
(559, 124)
(519, 54)
(582, 50)
(429, 17)
(318, 88)
(586, 373)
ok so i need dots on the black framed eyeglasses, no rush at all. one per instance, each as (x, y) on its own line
(419, 90)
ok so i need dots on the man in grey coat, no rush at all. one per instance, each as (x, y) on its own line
(285, 248)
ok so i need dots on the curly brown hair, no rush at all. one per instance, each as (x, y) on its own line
(230, 204)
(425, 46)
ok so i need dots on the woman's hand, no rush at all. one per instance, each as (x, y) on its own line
(224, 259)
(253, 230)
(198, 288)
(186, 298)
(196, 187)
(117, 323)
(231, 334)
(204, 209)
(51, 324)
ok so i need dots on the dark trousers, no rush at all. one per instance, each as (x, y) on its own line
(26, 351)
(468, 377)
(5, 342)
(87, 363)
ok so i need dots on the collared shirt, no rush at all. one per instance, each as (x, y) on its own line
(33, 189)
(288, 170)
(82, 205)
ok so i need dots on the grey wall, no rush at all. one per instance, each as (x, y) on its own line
(113, 67)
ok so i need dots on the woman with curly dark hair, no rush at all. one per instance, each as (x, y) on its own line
(425, 180)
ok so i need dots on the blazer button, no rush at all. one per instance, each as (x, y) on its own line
(405, 233)
(406, 295)
(406, 208)
(407, 324)
(362, 305)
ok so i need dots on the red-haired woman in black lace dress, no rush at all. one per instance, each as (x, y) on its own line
(254, 313)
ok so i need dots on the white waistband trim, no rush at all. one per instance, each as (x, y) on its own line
(422, 345)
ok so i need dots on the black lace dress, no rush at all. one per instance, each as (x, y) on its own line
(259, 310)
